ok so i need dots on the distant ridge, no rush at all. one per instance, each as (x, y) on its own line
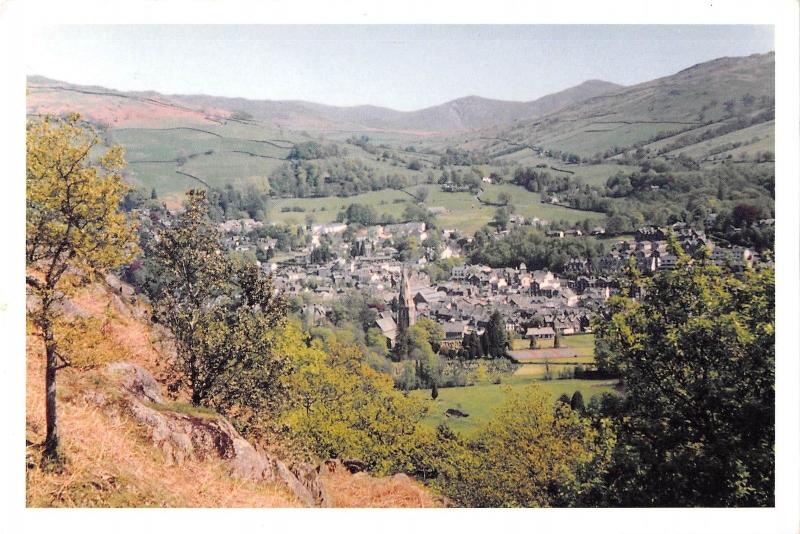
(462, 114)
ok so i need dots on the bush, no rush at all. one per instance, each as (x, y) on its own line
(530, 454)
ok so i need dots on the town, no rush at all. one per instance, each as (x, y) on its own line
(535, 305)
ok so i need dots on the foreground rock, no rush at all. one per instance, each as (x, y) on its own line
(200, 436)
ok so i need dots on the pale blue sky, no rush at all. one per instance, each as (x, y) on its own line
(402, 67)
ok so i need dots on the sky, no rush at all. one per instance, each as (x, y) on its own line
(402, 67)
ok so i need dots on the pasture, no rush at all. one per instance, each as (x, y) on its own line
(481, 400)
(582, 343)
(464, 211)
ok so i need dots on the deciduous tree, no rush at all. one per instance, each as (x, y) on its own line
(75, 229)
(696, 353)
(224, 316)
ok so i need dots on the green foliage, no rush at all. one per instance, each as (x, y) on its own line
(697, 356)
(313, 150)
(534, 249)
(531, 454)
(232, 203)
(433, 330)
(73, 220)
(735, 194)
(413, 212)
(302, 177)
(501, 218)
(360, 214)
(223, 316)
(496, 337)
(74, 229)
(576, 403)
(341, 408)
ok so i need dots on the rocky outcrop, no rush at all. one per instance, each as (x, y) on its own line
(136, 381)
(200, 436)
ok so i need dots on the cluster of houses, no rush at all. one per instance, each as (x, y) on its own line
(650, 248)
(537, 304)
(462, 304)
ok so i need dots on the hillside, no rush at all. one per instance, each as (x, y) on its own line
(721, 110)
(118, 458)
(711, 98)
(119, 108)
(473, 112)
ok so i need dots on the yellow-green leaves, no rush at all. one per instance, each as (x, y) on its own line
(531, 454)
(74, 222)
(342, 408)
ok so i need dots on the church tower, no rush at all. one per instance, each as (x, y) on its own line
(406, 309)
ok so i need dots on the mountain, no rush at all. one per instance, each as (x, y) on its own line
(135, 108)
(710, 99)
(474, 112)
(717, 110)
(467, 113)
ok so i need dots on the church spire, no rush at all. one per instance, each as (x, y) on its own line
(406, 310)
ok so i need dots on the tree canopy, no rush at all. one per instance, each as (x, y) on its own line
(696, 353)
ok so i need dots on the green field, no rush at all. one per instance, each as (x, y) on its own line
(238, 154)
(481, 400)
(464, 211)
(324, 209)
(582, 343)
(759, 137)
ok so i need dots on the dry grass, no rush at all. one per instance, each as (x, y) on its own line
(111, 463)
(128, 330)
(363, 491)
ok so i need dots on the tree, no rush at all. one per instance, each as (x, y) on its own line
(697, 356)
(496, 337)
(434, 391)
(501, 218)
(745, 215)
(529, 454)
(223, 316)
(341, 408)
(74, 230)
(240, 374)
(471, 346)
(434, 331)
(153, 194)
(576, 403)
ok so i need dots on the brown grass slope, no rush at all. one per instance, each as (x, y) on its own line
(111, 462)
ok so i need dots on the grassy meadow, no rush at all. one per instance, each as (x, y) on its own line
(464, 211)
(480, 400)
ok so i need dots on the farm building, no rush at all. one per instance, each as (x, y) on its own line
(540, 333)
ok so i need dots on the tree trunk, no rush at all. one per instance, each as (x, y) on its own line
(51, 441)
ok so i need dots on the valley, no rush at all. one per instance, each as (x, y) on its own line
(484, 303)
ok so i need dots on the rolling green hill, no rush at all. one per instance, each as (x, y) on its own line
(722, 110)
(725, 93)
